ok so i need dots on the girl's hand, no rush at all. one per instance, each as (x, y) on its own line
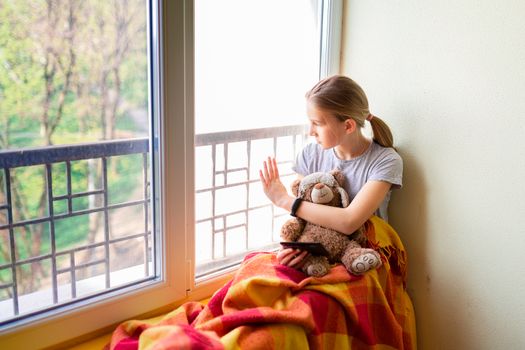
(292, 257)
(272, 185)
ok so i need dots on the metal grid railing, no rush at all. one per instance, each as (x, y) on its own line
(47, 156)
(220, 144)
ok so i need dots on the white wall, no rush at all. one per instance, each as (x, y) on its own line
(448, 76)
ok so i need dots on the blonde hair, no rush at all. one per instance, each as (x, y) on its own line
(345, 99)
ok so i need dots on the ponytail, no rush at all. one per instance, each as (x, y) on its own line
(381, 133)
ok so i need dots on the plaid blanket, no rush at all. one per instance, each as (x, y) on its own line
(270, 306)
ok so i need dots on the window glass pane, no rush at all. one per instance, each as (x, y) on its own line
(75, 166)
(254, 62)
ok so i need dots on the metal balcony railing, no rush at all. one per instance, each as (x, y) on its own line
(251, 147)
(232, 160)
(47, 157)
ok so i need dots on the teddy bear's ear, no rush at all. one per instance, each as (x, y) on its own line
(339, 176)
(295, 187)
(345, 200)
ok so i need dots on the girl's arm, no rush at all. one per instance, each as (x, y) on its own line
(346, 220)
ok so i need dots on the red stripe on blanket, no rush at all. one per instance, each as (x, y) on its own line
(289, 273)
(320, 303)
(127, 344)
(241, 318)
(364, 331)
(215, 303)
(195, 341)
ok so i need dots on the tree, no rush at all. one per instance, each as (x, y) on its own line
(117, 36)
(66, 67)
(47, 37)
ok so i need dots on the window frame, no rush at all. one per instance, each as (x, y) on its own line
(172, 57)
(330, 37)
(171, 63)
(329, 34)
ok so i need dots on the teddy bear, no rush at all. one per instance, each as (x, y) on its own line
(327, 188)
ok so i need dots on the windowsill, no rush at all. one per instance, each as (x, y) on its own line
(100, 341)
(42, 299)
(99, 338)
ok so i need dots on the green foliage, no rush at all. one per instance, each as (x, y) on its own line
(35, 55)
(28, 188)
(21, 77)
(66, 237)
(126, 182)
(67, 80)
(133, 86)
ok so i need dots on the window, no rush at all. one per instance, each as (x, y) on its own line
(76, 220)
(84, 242)
(162, 160)
(254, 61)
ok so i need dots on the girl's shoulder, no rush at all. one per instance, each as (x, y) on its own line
(380, 153)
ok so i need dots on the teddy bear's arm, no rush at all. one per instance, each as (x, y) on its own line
(292, 229)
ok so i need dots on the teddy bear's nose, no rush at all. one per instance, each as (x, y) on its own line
(319, 186)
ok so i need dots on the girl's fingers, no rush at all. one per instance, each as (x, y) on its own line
(297, 259)
(263, 179)
(302, 261)
(276, 169)
(270, 167)
(285, 256)
(284, 253)
(291, 257)
(265, 169)
(269, 171)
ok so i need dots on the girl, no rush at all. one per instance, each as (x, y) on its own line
(337, 109)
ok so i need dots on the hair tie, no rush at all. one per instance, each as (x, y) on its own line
(370, 117)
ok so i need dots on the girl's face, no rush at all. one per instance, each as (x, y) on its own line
(327, 130)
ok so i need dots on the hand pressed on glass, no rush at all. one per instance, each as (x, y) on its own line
(272, 185)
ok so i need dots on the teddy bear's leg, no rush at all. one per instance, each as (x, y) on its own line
(359, 260)
(292, 229)
(316, 266)
(366, 261)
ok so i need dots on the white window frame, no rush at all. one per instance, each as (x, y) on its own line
(330, 37)
(330, 14)
(174, 100)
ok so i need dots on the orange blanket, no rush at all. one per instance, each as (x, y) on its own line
(271, 306)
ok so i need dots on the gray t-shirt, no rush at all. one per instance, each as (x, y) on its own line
(376, 163)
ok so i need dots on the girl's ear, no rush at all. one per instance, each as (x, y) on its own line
(350, 125)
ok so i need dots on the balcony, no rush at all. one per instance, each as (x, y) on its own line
(232, 215)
